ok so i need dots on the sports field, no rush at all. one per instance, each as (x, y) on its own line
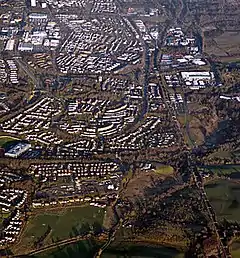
(64, 224)
(164, 170)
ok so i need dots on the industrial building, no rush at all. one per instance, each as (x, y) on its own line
(10, 45)
(33, 3)
(41, 16)
(198, 79)
(25, 46)
(17, 150)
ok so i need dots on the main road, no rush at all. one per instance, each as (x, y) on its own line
(223, 249)
(30, 74)
(146, 71)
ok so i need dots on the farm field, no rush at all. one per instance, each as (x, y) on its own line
(63, 224)
(224, 196)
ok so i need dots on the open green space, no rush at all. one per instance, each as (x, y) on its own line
(5, 140)
(236, 153)
(87, 249)
(221, 154)
(64, 224)
(164, 170)
(225, 170)
(143, 252)
(83, 249)
(235, 249)
(184, 121)
(4, 216)
(224, 196)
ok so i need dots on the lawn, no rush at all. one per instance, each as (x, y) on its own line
(224, 196)
(67, 223)
(164, 170)
(4, 216)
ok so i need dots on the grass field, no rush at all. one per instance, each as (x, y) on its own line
(235, 249)
(81, 249)
(5, 140)
(236, 153)
(224, 196)
(64, 224)
(143, 252)
(4, 216)
(225, 170)
(164, 170)
(235, 253)
(224, 45)
(184, 120)
(87, 249)
(221, 154)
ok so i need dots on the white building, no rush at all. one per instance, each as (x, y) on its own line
(10, 45)
(40, 16)
(17, 150)
(198, 75)
(33, 3)
(25, 47)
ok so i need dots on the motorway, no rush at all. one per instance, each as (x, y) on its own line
(223, 249)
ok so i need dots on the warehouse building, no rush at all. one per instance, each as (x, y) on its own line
(17, 150)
